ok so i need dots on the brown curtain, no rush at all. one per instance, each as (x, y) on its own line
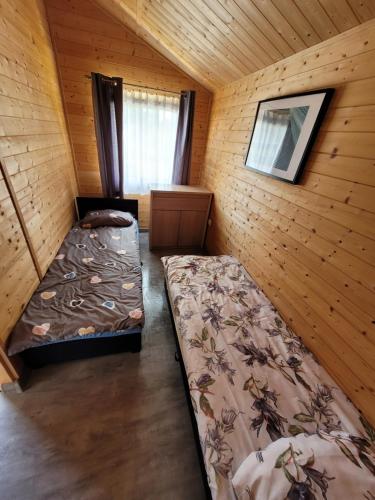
(182, 155)
(107, 102)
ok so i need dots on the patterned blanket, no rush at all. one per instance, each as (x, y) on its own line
(252, 381)
(92, 288)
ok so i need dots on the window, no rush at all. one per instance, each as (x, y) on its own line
(150, 127)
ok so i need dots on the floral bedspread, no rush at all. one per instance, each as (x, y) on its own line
(252, 381)
(324, 466)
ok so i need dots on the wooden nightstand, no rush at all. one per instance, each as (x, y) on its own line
(178, 217)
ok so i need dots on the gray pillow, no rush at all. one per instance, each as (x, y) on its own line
(106, 218)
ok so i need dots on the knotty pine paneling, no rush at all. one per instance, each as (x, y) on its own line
(18, 277)
(87, 39)
(219, 41)
(311, 247)
(35, 155)
(34, 146)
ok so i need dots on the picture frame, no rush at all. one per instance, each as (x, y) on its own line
(284, 131)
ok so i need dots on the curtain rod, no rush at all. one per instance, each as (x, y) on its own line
(140, 86)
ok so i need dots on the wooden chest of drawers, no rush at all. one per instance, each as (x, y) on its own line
(179, 216)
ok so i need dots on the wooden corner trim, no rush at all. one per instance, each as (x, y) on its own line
(21, 219)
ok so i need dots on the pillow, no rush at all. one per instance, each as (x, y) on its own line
(324, 466)
(106, 218)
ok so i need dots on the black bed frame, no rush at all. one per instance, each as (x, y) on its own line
(86, 204)
(194, 425)
(58, 352)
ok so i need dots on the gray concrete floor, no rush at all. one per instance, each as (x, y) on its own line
(115, 427)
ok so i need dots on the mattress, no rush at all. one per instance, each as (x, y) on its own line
(251, 379)
(93, 288)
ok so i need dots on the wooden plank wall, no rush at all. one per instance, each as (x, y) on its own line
(18, 276)
(87, 39)
(311, 247)
(34, 153)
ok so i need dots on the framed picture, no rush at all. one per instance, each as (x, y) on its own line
(284, 132)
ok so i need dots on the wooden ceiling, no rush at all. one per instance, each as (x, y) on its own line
(219, 41)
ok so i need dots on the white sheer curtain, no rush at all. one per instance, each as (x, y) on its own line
(150, 126)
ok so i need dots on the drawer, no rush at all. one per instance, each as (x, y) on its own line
(199, 203)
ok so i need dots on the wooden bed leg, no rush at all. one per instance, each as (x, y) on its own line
(23, 371)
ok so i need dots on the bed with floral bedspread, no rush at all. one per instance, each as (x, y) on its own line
(253, 382)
